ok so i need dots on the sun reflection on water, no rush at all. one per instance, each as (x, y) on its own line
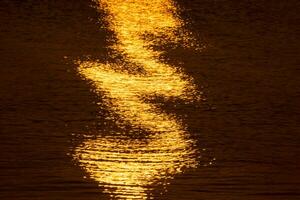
(129, 168)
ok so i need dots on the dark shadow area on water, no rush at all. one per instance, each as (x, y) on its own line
(249, 72)
(44, 104)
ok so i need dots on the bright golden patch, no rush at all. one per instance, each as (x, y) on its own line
(125, 167)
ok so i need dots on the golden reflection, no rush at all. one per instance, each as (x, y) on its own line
(128, 168)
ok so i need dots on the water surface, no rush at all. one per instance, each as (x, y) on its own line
(244, 59)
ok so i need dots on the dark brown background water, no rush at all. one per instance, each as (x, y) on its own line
(249, 74)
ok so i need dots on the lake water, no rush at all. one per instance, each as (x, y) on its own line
(157, 99)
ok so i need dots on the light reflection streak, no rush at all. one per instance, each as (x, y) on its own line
(128, 168)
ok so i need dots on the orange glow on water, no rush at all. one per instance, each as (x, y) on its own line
(127, 168)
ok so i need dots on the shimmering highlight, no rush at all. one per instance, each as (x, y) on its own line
(128, 168)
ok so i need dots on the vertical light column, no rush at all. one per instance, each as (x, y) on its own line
(129, 169)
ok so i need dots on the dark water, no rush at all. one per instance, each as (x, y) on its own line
(248, 73)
